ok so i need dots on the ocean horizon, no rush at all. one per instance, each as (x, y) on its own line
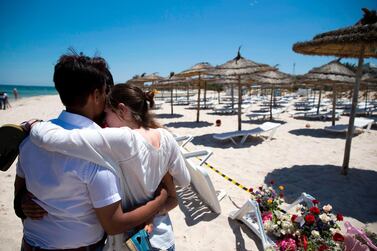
(25, 91)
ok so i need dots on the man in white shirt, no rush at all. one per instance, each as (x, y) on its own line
(82, 199)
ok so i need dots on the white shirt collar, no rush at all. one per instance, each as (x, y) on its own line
(77, 120)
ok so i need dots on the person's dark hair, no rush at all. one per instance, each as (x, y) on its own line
(137, 100)
(76, 76)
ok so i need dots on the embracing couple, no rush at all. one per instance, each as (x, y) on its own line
(77, 183)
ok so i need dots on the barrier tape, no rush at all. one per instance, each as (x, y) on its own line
(225, 176)
(228, 178)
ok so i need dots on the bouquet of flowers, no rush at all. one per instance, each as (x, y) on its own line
(317, 228)
(309, 228)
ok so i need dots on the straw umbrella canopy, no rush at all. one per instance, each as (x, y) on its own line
(170, 82)
(357, 41)
(199, 70)
(333, 73)
(274, 79)
(144, 78)
(238, 67)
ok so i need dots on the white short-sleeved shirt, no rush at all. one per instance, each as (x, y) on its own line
(143, 165)
(69, 189)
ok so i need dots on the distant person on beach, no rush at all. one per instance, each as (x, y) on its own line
(82, 199)
(146, 153)
(2, 103)
(15, 93)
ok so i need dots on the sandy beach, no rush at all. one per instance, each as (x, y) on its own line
(300, 158)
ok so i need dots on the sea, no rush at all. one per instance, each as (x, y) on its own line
(25, 91)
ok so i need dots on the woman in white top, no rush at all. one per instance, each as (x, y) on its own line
(145, 153)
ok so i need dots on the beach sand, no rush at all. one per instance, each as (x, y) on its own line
(302, 159)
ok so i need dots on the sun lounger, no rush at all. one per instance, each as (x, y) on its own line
(265, 127)
(263, 115)
(360, 123)
(251, 216)
(200, 179)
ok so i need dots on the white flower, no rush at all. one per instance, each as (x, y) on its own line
(327, 208)
(334, 231)
(315, 233)
(299, 207)
(324, 218)
(269, 226)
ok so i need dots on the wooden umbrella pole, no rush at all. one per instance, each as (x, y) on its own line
(171, 99)
(188, 93)
(333, 104)
(239, 103)
(319, 100)
(232, 93)
(205, 94)
(198, 108)
(272, 93)
(351, 128)
(366, 100)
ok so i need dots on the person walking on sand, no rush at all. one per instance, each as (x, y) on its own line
(2, 100)
(82, 199)
(146, 153)
(15, 93)
(6, 101)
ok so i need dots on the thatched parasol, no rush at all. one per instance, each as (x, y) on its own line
(332, 74)
(273, 79)
(199, 70)
(238, 67)
(357, 41)
(170, 82)
(144, 78)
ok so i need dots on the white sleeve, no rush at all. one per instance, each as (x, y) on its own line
(103, 187)
(104, 147)
(177, 165)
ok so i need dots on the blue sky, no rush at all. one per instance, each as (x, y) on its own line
(165, 35)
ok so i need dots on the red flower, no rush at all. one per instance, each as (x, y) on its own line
(315, 202)
(281, 195)
(314, 210)
(309, 219)
(304, 241)
(272, 182)
(339, 217)
(259, 201)
(250, 190)
(293, 218)
(338, 237)
(323, 247)
(260, 188)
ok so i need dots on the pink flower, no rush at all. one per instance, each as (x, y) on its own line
(266, 216)
(287, 244)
